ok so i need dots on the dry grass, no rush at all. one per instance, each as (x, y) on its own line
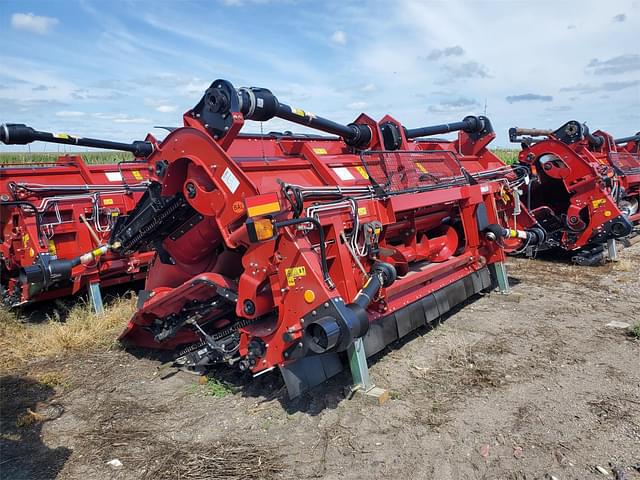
(137, 435)
(463, 365)
(29, 418)
(82, 330)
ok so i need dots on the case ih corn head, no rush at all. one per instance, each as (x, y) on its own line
(56, 220)
(284, 250)
(585, 188)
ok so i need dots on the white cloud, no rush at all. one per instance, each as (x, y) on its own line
(358, 105)
(369, 87)
(166, 108)
(69, 113)
(339, 37)
(120, 118)
(33, 23)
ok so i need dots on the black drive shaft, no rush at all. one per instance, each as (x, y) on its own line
(20, 134)
(632, 138)
(260, 105)
(468, 124)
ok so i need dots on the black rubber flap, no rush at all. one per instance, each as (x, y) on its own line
(306, 373)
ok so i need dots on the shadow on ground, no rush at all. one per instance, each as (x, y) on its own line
(23, 410)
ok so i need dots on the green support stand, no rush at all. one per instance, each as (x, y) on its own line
(360, 373)
(612, 248)
(499, 271)
(95, 297)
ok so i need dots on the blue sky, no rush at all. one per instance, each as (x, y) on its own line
(115, 69)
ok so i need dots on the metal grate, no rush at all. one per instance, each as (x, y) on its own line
(403, 171)
(625, 162)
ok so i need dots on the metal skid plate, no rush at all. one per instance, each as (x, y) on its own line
(306, 373)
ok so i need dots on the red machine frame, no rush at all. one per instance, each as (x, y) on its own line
(64, 209)
(574, 195)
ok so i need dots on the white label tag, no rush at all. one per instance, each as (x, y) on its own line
(230, 180)
(344, 173)
(484, 189)
(113, 176)
(260, 102)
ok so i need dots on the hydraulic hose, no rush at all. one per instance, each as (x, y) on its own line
(323, 248)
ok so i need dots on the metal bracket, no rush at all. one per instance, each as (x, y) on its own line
(612, 248)
(95, 297)
(499, 272)
(360, 373)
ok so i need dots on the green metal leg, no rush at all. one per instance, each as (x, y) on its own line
(499, 270)
(362, 383)
(95, 297)
(612, 247)
(358, 365)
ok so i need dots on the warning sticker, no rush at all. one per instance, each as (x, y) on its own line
(362, 210)
(298, 112)
(598, 202)
(230, 180)
(363, 172)
(107, 201)
(320, 151)
(113, 176)
(420, 167)
(136, 174)
(344, 173)
(293, 273)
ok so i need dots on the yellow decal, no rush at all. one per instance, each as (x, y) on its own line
(421, 167)
(25, 240)
(108, 201)
(52, 248)
(31, 252)
(320, 151)
(363, 172)
(607, 213)
(297, 111)
(599, 202)
(263, 209)
(136, 174)
(293, 273)
(362, 210)
(62, 135)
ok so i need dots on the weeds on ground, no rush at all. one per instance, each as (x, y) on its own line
(81, 330)
(635, 330)
(213, 388)
(92, 157)
(507, 155)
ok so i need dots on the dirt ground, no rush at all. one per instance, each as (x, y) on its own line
(530, 386)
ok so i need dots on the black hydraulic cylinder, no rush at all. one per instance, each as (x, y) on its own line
(469, 124)
(632, 138)
(20, 134)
